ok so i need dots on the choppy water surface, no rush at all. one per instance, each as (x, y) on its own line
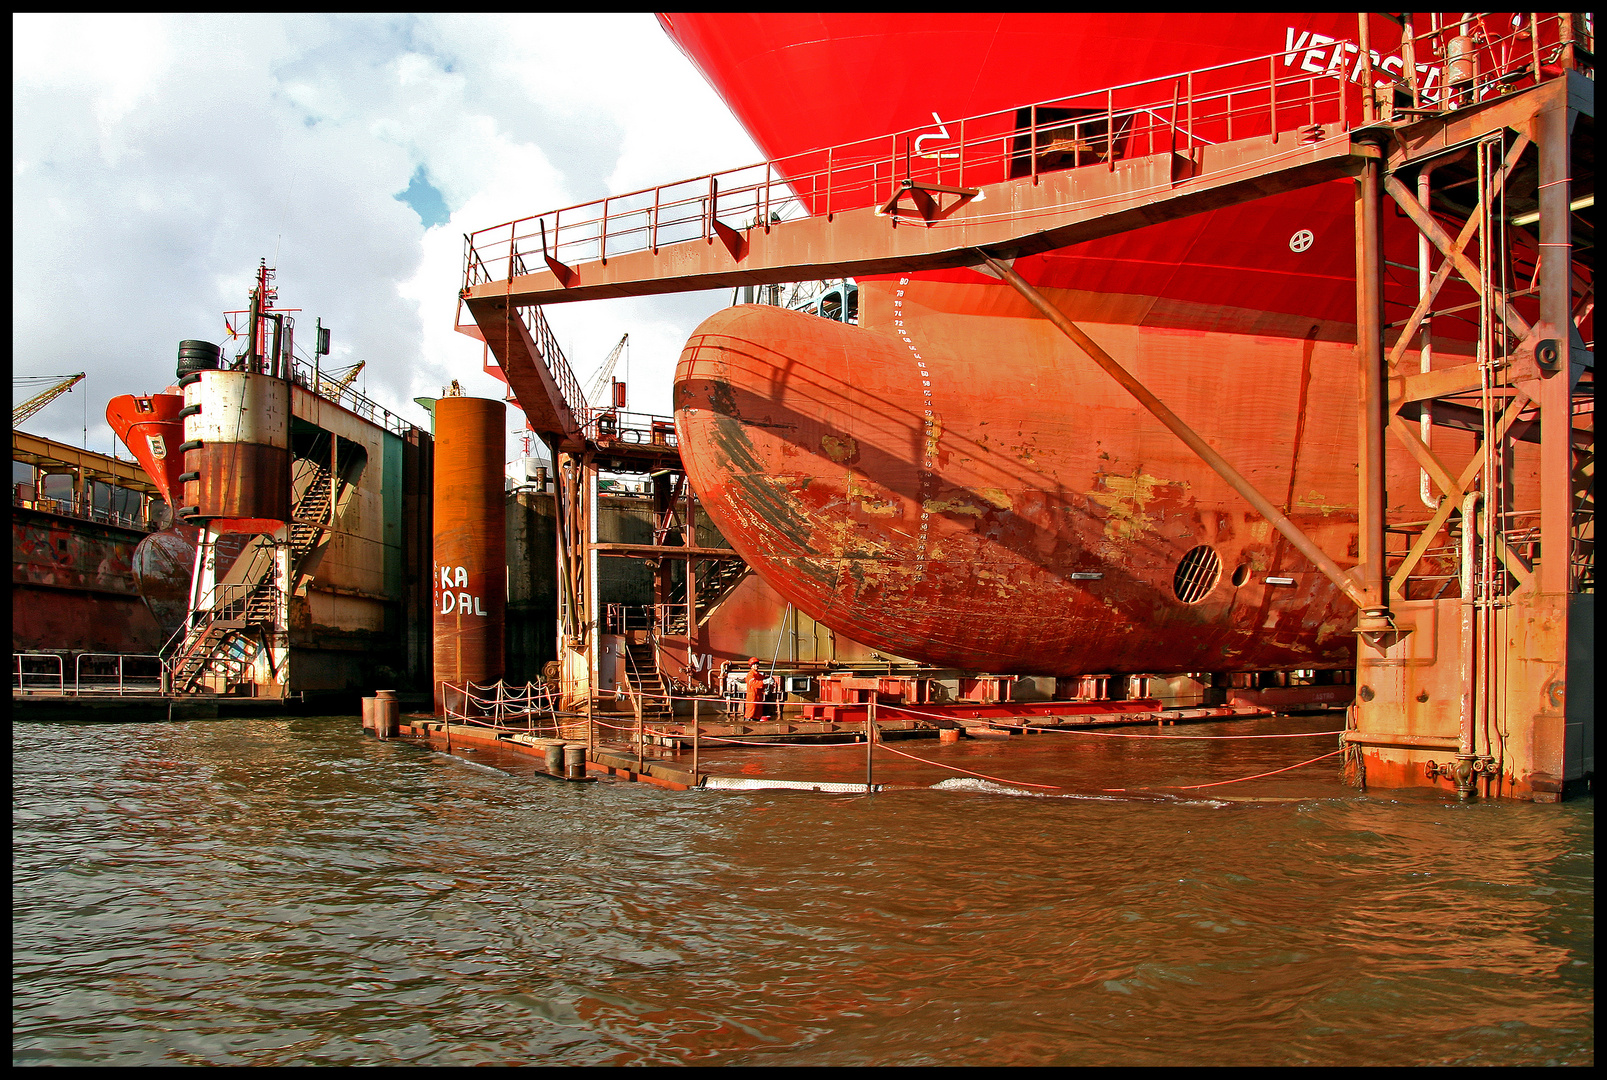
(288, 891)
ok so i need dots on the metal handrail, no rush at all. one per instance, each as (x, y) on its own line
(55, 682)
(623, 618)
(85, 510)
(1148, 116)
(22, 676)
(236, 600)
(601, 423)
(126, 683)
(557, 364)
(348, 398)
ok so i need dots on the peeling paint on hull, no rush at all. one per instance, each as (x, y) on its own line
(991, 462)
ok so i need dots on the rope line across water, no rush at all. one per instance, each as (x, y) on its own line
(1026, 728)
(1257, 776)
(1115, 718)
(968, 772)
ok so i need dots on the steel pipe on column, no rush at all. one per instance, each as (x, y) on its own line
(1374, 402)
(471, 552)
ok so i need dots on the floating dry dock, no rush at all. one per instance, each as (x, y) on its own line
(1136, 380)
(637, 753)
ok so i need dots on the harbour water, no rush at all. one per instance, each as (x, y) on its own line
(291, 892)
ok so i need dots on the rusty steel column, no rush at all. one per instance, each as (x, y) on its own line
(693, 637)
(471, 554)
(1374, 399)
(1550, 129)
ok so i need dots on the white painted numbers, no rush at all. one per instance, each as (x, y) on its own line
(453, 581)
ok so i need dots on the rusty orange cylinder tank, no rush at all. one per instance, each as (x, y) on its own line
(471, 554)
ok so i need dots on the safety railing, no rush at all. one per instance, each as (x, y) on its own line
(678, 730)
(667, 619)
(604, 425)
(532, 708)
(179, 655)
(348, 398)
(230, 601)
(38, 673)
(670, 619)
(1461, 59)
(553, 356)
(625, 618)
(618, 427)
(94, 674)
(118, 673)
(152, 517)
(1281, 95)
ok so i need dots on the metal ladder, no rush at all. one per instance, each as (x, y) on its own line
(719, 584)
(213, 643)
(646, 683)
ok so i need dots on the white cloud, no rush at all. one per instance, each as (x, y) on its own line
(155, 159)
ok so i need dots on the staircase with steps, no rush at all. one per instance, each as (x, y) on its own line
(646, 684)
(225, 643)
(226, 640)
(313, 506)
(716, 585)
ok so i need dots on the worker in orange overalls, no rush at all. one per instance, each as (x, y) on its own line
(756, 684)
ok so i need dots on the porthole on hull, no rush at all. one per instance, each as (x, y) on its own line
(1197, 574)
(1241, 575)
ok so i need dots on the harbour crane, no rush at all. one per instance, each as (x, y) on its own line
(334, 387)
(39, 401)
(604, 373)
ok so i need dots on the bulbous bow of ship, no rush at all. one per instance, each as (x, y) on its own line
(975, 501)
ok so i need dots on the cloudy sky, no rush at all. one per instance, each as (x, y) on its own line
(156, 159)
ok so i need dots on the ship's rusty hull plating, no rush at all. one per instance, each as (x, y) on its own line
(974, 493)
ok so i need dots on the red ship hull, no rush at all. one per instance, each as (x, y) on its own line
(801, 82)
(1039, 521)
(952, 480)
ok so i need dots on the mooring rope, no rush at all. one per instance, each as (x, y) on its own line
(1257, 776)
(1114, 718)
(968, 772)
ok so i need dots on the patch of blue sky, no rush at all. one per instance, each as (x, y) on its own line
(425, 199)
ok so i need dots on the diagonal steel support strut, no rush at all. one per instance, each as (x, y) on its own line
(1236, 480)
